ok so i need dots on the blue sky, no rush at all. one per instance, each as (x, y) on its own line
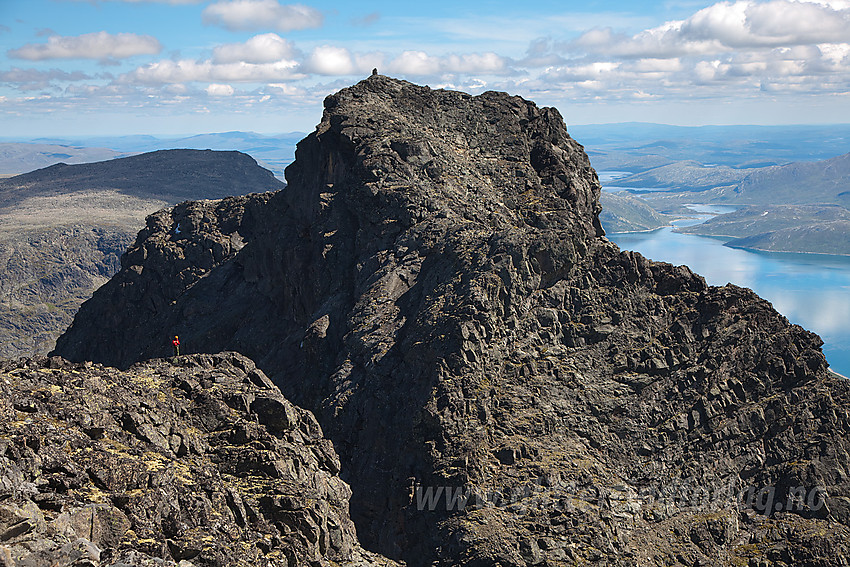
(175, 67)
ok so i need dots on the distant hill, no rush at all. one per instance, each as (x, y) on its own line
(625, 213)
(799, 183)
(685, 176)
(170, 175)
(272, 152)
(64, 228)
(826, 181)
(827, 238)
(823, 229)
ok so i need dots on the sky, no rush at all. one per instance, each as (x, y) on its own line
(180, 67)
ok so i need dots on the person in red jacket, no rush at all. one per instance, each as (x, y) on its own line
(176, 344)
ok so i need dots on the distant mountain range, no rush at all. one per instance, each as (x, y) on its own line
(633, 147)
(755, 165)
(798, 183)
(637, 147)
(18, 157)
(273, 152)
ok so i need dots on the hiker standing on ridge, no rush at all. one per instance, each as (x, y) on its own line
(176, 344)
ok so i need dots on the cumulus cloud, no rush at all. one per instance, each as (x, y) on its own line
(186, 71)
(336, 61)
(99, 45)
(419, 63)
(285, 89)
(216, 89)
(339, 61)
(265, 48)
(727, 26)
(249, 15)
(329, 60)
(735, 48)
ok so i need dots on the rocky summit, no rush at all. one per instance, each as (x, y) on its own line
(503, 385)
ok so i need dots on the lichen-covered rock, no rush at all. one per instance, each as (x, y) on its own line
(201, 460)
(504, 386)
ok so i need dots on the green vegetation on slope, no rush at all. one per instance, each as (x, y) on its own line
(626, 213)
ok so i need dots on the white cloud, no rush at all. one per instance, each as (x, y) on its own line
(658, 65)
(265, 48)
(99, 45)
(184, 71)
(248, 15)
(330, 60)
(731, 49)
(419, 63)
(727, 26)
(337, 61)
(220, 90)
(746, 50)
(285, 89)
(772, 24)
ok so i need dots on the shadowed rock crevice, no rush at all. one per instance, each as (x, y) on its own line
(435, 285)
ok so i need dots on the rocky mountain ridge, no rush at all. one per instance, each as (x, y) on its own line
(435, 285)
(196, 461)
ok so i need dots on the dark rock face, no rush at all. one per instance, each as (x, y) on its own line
(434, 284)
(202, 461)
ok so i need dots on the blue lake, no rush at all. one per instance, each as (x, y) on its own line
(811, 290)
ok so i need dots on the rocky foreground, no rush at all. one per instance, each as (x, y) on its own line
(200, 461)
(503, 385)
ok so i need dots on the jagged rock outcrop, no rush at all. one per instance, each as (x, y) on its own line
(504, 386)
(200, 461)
